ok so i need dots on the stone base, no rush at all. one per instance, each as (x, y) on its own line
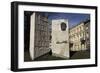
(58, 55)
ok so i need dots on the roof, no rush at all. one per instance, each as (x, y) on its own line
(86, 21)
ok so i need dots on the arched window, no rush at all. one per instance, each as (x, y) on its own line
(63, 26)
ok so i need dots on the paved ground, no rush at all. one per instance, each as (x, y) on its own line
(81, 55)
(46, 57)
(74, 55)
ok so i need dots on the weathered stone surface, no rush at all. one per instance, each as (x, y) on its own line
(60, 39)
(39, 35)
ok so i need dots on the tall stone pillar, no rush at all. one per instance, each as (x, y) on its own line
(39, 35)
(60, 38)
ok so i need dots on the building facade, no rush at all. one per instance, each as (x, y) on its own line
(39, 35)
(78, 36)
(87, 30)
(60, 38)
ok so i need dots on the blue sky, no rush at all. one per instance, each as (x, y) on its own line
(73, 18)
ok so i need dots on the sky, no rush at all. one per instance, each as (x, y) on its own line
(73, 18)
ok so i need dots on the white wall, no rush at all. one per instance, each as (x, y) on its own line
(5, 17)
